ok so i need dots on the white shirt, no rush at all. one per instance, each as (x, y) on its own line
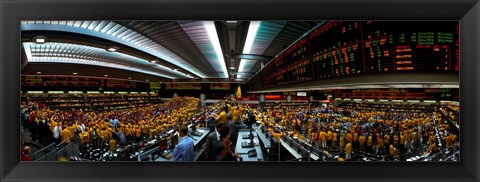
(56, 132)
(218, 134)
(82, 127)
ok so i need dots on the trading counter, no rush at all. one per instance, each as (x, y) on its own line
(243, 152)
(284, 144)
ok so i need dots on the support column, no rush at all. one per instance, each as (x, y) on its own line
(203, 98)
(289, 98)
(261, 99)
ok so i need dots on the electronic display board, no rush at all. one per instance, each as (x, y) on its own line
(155, 86)
(119, 84)
(219, 86)
(62, 81)
(348, 48)
(183, 86)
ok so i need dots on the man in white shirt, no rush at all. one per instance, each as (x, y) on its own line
(82, 127)
(56, 132)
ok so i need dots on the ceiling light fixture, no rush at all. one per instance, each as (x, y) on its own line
(129, 78)
(40, 39)
(231, 21)
(252, 33)
(147, 80)
(39, 72)
(232, 67)
(112, 49)
(105, 75)
(153, 61)
(212, 34)
(75, 73)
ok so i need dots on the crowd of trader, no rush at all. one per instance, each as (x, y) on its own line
(386, 134)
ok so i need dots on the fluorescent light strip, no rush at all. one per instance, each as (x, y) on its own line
(242, 65)
(212, 34)
(252, 33)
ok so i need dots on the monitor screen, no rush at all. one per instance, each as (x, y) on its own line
(163, 144)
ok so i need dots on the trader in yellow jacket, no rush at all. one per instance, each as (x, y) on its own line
(112, 145)
(65, 135)
(342, 143)
(334, 139)
(329, 138)
(348, 151)
(323, 139)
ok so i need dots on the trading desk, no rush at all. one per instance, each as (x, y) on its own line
(243, 152)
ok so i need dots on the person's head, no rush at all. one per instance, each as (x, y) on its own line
(224, 134)
(219, 126)
(183, 130)
(26, 150)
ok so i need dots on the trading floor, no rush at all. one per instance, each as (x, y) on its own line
(229, 90)
(257, 133)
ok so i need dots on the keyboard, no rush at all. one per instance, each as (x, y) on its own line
(247, 145)
(165, 152)
(246, 136)
(196, 133)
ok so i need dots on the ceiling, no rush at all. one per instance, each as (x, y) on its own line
(157, 51)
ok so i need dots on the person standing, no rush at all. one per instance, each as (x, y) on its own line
(342, 143)
(323, 139)
(26, 154)
(184, 150)
(361, 140)
(212, 140)
(56, 132)
(222, 150)
(348, 151)
(329, 137)
(334, 139)
(65, 135)
(222, 117)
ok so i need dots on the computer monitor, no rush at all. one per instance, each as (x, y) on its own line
(163, 144)
(174, 140)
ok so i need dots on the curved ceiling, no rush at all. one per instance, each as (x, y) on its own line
(54, 52)
(175, 50)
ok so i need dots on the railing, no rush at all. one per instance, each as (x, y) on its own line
(44, 150)
(61, 150)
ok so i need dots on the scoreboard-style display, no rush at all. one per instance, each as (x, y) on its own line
(61, 81)
(183, 86)
(119, 84)
(219, 86)
(348, 48)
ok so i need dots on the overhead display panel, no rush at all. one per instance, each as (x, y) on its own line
(346, 48)
(183, 86)
(220, 86)
(62, 81)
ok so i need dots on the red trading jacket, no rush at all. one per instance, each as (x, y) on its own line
(26, 158)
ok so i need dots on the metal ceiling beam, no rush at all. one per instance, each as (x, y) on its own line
(250, 56)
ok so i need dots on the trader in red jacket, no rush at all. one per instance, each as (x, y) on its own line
(26, 154)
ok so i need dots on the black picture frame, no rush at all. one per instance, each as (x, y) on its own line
(12, 12)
